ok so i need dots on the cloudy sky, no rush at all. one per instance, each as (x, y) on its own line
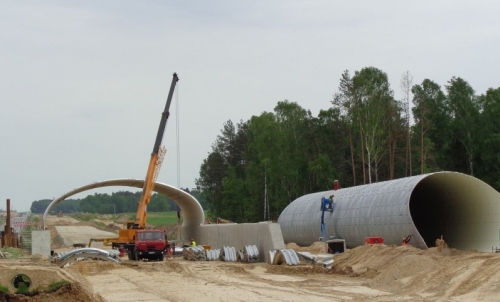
(83, 83)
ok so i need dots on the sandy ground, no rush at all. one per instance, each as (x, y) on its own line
(370, 273)
(366, 273)
(69, 235)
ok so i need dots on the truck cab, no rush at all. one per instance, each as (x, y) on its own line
(149, 244)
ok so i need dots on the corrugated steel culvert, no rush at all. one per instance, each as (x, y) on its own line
(464, 209)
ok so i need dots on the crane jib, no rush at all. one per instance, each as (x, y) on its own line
(165, 115)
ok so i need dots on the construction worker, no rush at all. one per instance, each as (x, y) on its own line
(193, 243)
(168, 247)
(330, 201)
(440, 243)
(406, 240)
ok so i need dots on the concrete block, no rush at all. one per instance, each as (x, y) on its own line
(40, 242)
(265, 235)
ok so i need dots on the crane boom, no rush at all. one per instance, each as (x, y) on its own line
(140, 219)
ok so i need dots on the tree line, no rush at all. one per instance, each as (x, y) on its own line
(257, 167)
(117, 202)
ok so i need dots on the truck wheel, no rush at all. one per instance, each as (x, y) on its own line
(160, 258)
(130, 255)
(136, 255)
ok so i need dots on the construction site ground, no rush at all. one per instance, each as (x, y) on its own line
(365, 273)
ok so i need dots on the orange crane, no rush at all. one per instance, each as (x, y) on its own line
(127, 235)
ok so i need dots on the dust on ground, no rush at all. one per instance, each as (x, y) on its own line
(365, 273)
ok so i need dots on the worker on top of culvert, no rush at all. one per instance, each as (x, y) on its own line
(193, 243)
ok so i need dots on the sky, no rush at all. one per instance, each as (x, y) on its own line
(83, 83)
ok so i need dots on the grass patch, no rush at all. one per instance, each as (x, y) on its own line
(34, 218)
(99, 224)
(161, 218)
(54, 286)
(22, 288)
(3, 289)
(14, 252)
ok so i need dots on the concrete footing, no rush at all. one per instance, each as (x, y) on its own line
(40, 242)
(265, 235)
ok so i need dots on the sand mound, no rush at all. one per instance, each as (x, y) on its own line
(436, 271)
(315, 248)
(172, 230)
(113, 227)
(57, 242)
(122, 218)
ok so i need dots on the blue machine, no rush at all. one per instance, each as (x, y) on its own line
(326, 205)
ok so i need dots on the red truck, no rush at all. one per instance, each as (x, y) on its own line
(149, 244)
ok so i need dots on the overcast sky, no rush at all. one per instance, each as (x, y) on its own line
(83, 83)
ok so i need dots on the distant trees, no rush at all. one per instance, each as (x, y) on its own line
(70, 206)
(488, 138)
(431, 129)
(258, 167)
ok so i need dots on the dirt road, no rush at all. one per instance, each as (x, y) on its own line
(180, 280)
(364, 274)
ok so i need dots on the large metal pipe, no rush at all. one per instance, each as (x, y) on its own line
(464, 209)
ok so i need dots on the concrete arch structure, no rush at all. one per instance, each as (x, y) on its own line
(462, 208)
(192, 212)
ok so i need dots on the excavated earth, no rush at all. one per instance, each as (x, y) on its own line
(366, 273)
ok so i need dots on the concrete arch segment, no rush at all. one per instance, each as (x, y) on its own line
(192, 212)
(462, 208)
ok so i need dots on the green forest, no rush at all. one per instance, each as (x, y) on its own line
(257, 167)
(117, 202)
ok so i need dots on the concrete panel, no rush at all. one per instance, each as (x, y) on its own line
(40, 242)
(265, 235)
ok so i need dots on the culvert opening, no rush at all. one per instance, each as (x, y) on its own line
(464, 209)
(21, 282)
(429, 210)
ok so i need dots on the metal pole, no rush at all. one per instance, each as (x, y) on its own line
(8, 230)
